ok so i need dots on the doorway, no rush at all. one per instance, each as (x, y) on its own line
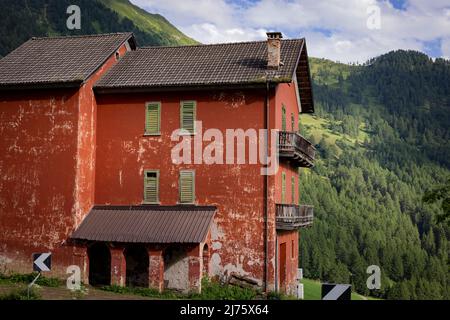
(283, 266)
(137, 262)
(99, 264)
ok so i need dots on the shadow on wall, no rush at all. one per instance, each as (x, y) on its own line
(137, 262)
(176, 269)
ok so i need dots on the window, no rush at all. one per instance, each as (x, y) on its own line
(292, 249)
(292, 122)
(293, 190)
(283, 118)
(153, 118)
(151, 186)
(299, 125)
(283, 188)
(188, 115)
(187, 187)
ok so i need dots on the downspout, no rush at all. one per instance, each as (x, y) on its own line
(266, 191)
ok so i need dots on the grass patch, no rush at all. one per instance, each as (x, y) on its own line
(28, 278)
(21, 294)
(318, 129)
(313, 291)
(144, 292)
(211, 290)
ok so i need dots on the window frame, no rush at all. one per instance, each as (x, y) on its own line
(157, 186)
(293, 189)
(194, 127)
(147, 105)
(292, 122)
(283, 188)
(193, 187)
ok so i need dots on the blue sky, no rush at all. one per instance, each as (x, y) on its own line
(341, 30)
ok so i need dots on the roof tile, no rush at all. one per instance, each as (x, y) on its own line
(217, 64)
(147, 224)
(58, 60)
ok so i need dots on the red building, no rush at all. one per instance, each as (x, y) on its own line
(88, 171)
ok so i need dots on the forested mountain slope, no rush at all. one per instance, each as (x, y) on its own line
(383, 133)
(23, 19)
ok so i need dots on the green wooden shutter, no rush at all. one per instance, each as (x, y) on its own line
(151, 187)
(283, 188)
(293, 190)
(153, 118)
(299, 124)
(187, 187)
(188, 114)
(292, 122)
(283, 118)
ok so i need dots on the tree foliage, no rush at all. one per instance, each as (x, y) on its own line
(22, 19)
(368, 199)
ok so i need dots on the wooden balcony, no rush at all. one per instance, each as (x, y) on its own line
(296, 148)
(292, 217)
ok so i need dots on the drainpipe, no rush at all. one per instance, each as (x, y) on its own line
(266, 192)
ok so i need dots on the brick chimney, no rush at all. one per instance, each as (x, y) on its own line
(274, 49)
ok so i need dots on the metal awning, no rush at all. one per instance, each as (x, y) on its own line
(146, 224)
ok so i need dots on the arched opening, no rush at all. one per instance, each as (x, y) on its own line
(99, 264)
(137, 261)
(205, 261)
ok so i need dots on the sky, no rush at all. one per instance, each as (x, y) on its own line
(340, 30)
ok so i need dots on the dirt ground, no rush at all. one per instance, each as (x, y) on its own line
(62, 293)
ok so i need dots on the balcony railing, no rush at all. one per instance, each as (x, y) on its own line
(293, 146)
(291, 216)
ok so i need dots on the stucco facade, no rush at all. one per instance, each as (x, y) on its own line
(64, 151)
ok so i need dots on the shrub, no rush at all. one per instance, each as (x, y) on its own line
(28, 278)
(213, 290)
(21, 294)
(145, 292)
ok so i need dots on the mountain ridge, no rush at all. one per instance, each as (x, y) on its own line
(21, 20)
(382, 131)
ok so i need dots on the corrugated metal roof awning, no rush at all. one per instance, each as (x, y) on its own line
(146, 224)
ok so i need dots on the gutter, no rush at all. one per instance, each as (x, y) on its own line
(266, 192)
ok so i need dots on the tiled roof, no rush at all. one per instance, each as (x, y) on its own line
(58, 61)
(199, 65)
(147, 224)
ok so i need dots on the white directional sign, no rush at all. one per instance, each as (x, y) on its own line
(336, 291)
(42, 261)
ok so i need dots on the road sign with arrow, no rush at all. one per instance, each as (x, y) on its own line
(42, 262)
(336, 291)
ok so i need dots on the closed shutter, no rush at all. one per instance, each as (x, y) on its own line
(151, 186)
(187, 187)
(188, 116)
(283, 188)
(283, 119)
(293, 190)
(292, 122)
(153, 118)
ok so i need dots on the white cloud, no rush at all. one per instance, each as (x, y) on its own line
(210, 33)
(445, 47)
(334, 29)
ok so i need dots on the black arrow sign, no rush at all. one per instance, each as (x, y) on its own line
(336, 291)
(42, 261)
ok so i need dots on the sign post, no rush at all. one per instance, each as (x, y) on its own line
(42, 262)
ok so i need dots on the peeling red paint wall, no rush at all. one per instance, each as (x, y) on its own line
(123, 153)
(290, 239)
(286, 96)
(47, 164)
